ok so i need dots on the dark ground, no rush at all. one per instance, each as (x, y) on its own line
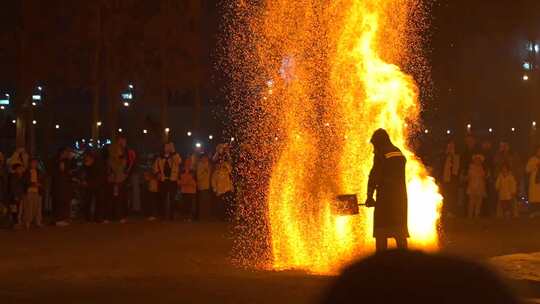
(142, 262)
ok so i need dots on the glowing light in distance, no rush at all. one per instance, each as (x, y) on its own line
(210, 136)
(490, 130)
(513, 129)
(120, 130)
(126, 104)
(145, 131)
(167, 130)
(34, 122)
(189, 133)
(525, 77)
(14, 121)
(232, 139)
(36, 97)
(130, 86)
(98, 123)
(2, 107)
(198, 145)
(57, 126)
(34, 104)
(40, 88)
(426, 131)
(448, 132)
(534, 123)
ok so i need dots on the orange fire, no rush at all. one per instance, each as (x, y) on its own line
(332, 78)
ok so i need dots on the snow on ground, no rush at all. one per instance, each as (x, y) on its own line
(520, 266)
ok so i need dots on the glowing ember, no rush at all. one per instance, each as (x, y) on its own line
(335, 80)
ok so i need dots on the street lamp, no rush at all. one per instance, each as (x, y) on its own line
(189, 133)
(210, 136)
(120, 130)
(57, 126)
(34, 122)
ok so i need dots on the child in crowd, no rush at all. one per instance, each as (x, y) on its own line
(188, 188)
(17, 188)
(476, 187)
(153, 197)
(31, 205)
(506, 186)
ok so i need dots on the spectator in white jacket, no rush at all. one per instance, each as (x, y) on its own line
(167, 170)
(204, 194)
(532, 170)
(506, 187)
(222, 186)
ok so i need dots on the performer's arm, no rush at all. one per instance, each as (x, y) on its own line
(374, 176)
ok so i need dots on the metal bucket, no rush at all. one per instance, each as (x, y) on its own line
(346, 204)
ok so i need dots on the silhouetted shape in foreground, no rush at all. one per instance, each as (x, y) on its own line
(415, 277)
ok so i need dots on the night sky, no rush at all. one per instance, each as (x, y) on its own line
(476, 50)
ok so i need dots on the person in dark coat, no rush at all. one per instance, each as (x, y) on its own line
(387, 181)
(62, 187)
(94, 184)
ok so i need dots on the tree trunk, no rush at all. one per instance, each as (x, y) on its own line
(96, 62)
(21, 102)
(164, 114)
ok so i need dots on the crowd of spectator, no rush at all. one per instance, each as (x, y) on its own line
(113, 184)
(481, 180)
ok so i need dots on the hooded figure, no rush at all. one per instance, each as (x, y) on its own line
(387, 180)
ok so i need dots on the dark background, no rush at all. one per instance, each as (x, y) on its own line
(169, 49)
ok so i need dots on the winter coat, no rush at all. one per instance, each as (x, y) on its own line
(117, 163)
(187, 183)
(174, 161)
(95, 175)
(17, 187)
(203, 176)
(506, 187)
(221, 179)
(534, 182)
(476, 181)
(449, 168)
(387, 180)
(62, 184)
(31, 186)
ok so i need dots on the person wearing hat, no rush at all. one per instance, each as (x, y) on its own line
(387, 182)
(476, 186)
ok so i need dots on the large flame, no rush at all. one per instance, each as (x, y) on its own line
(334, 79)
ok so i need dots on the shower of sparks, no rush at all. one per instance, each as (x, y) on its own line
(335, 75)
